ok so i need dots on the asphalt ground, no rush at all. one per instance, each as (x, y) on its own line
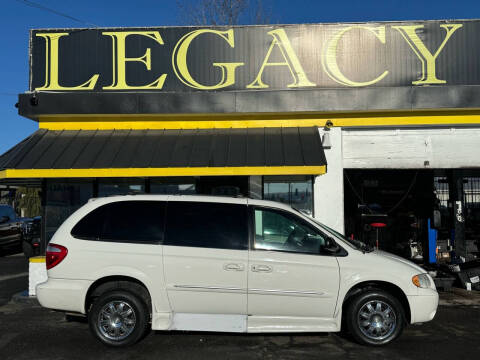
(28, 331)
(13, 276)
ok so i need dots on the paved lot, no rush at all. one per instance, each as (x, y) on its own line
(30, 332)
(13, 276)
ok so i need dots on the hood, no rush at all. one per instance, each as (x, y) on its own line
(399, 259)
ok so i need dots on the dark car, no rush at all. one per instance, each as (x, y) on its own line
(10, 229)
(17, 234)
(31, 236)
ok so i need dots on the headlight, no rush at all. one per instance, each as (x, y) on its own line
(421, 281)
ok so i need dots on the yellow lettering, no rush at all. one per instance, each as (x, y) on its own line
(281, 40)
(51, 66)
(180, 67)
(409, 33)
(120, 60)
(330, 64)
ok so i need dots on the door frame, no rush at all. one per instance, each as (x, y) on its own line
(275, 324)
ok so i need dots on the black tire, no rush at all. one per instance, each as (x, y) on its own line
(380, 326)
(28, 249)
(128, 334)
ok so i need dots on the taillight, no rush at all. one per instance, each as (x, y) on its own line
(55, 254)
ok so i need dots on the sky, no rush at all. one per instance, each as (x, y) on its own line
(16, 19)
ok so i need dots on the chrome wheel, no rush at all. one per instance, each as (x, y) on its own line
(116, 320)
(377, 320)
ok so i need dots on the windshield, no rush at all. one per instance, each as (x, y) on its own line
(357, 244)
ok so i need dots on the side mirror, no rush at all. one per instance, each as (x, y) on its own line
(330, 247)
(4, 219)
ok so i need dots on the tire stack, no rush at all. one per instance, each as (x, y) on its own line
(469, 275)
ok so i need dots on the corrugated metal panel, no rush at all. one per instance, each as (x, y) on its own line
(256, 147)
(202, 148)
(329, 55)
(219, 149)
(346, 67)
(79, 142)
(18, 152)
(293, 147)
(167, 149)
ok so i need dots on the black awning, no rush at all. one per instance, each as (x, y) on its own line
(129, 153)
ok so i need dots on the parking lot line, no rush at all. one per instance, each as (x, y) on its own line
(13, 276)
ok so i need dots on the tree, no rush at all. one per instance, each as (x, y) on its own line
(28, 199)
(223, 12)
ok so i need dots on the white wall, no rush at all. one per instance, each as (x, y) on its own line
(328, 188)
(411, 148)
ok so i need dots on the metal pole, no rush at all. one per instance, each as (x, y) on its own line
(43, 224)
(458, 206)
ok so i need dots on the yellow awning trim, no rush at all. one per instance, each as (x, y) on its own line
(201, 121)
(37, 259)
(156, 172)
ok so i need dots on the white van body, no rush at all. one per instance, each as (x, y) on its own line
(229, 290)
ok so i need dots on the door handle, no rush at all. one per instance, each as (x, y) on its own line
(233, 267)
(262, 268)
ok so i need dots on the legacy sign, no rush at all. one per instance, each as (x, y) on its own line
(256, 57)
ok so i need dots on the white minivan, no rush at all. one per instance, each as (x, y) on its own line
(138, 262)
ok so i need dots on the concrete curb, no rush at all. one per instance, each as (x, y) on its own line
(37, 273)
(23, 298)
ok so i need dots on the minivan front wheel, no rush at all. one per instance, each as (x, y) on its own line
(375, 317)
(118, 318)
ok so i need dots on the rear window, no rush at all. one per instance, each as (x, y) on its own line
(207, 225)
(125, 221)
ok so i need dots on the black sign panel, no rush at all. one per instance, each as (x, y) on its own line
(285, 57)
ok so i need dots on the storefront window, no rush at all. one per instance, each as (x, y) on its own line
(63, 198)
(471, 198)
(296, 191)
(107, 187)
(184, 186)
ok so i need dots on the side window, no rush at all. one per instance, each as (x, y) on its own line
(207, 225)
(276, 230)
(90, 227)
(125, 221)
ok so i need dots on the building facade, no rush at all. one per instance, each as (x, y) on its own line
(373, 128)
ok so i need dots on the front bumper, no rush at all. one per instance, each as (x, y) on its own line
(63, 294)
(423, 306)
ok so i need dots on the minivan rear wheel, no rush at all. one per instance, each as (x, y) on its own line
(118, 318)
(374, 317)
